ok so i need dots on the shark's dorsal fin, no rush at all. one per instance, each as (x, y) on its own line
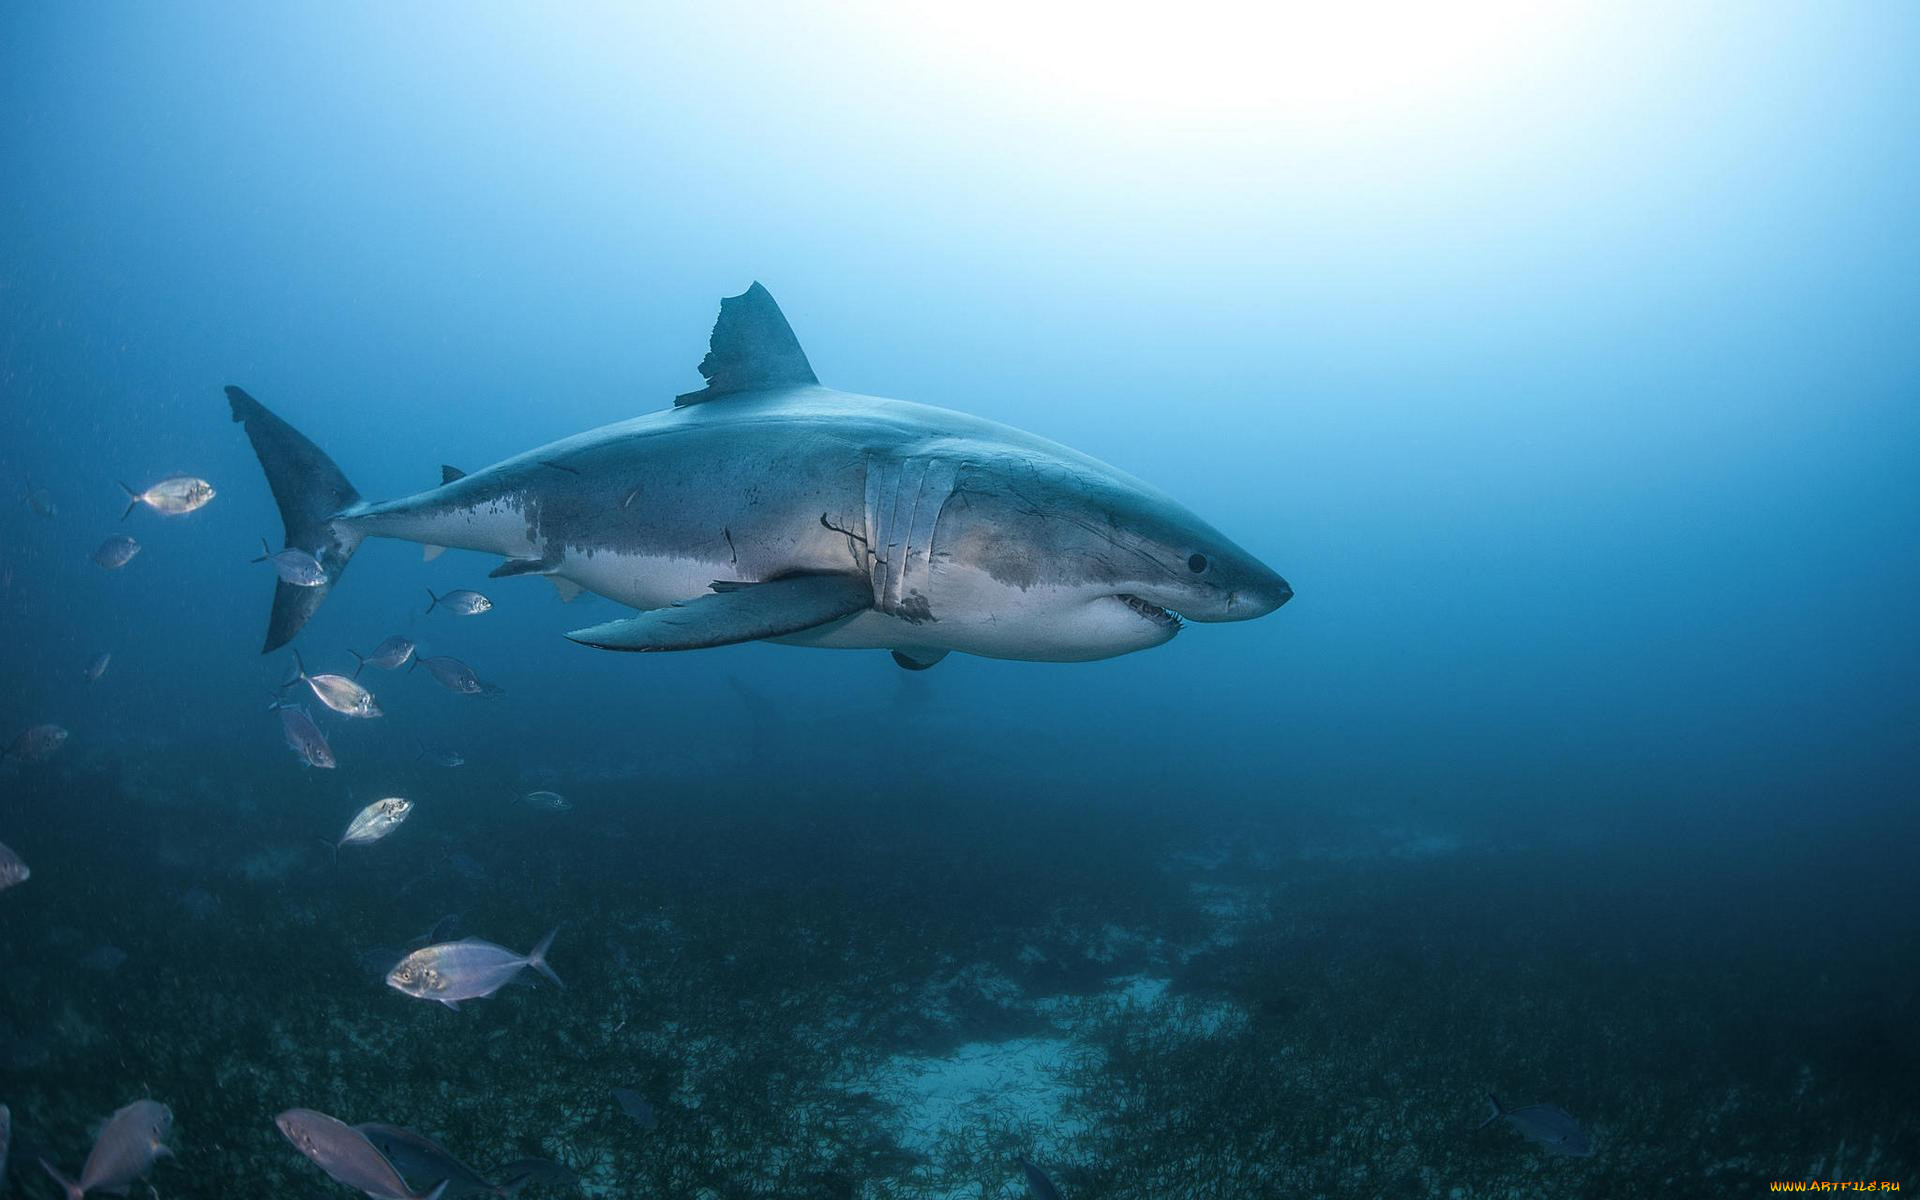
(752, 348)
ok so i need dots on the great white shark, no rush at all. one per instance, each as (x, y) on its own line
(765, 507)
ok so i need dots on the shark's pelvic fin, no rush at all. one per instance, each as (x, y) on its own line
(752, 348)
(736, 612)
(524, 566)
(918, 660)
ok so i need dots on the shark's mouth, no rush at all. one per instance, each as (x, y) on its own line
(1165, 618)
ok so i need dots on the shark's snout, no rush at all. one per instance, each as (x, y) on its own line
(1258, 596)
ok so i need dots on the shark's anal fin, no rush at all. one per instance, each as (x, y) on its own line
(449, 474)
(918, 660)
(752, 348)
(736, 613)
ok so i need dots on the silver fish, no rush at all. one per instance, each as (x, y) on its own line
(40, 500)
(549, 801)
(1039, 1187)
(304, 737)
(465, 602)
(375, 821)
(452, 674)
(424, 1161)
(13, 869)
(470, 969)
(36, 744)
(116, 552)
(389, 655)
(293, 565)
(1553, 1128)
(130, 1142)
(170, 497)
(346, 1155)
(97, 666)
(337, 692)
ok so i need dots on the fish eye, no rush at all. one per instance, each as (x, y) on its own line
(1197, 564)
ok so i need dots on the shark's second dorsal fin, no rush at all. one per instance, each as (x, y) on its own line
(752, 348)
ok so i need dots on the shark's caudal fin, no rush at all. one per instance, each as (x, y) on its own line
(752, 348)
(310, 491)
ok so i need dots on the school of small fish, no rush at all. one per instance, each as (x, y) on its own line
(377, 1159)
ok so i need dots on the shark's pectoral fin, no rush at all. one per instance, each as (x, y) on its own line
(736, 612)
(918, 660)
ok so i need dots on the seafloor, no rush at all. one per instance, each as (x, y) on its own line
(837, 980)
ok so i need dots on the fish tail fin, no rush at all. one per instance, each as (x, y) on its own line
(431, 599)
(538, 959)
(359, 662)
(1493, 1102)
(266, 551)
(312, 494)
(298, 673)
(133, 501)
(71, 1188)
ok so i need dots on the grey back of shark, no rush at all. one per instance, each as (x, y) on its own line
(767, 507)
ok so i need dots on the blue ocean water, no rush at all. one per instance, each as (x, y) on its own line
(1564, 363)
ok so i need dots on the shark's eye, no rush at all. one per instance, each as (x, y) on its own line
(1197, 564)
